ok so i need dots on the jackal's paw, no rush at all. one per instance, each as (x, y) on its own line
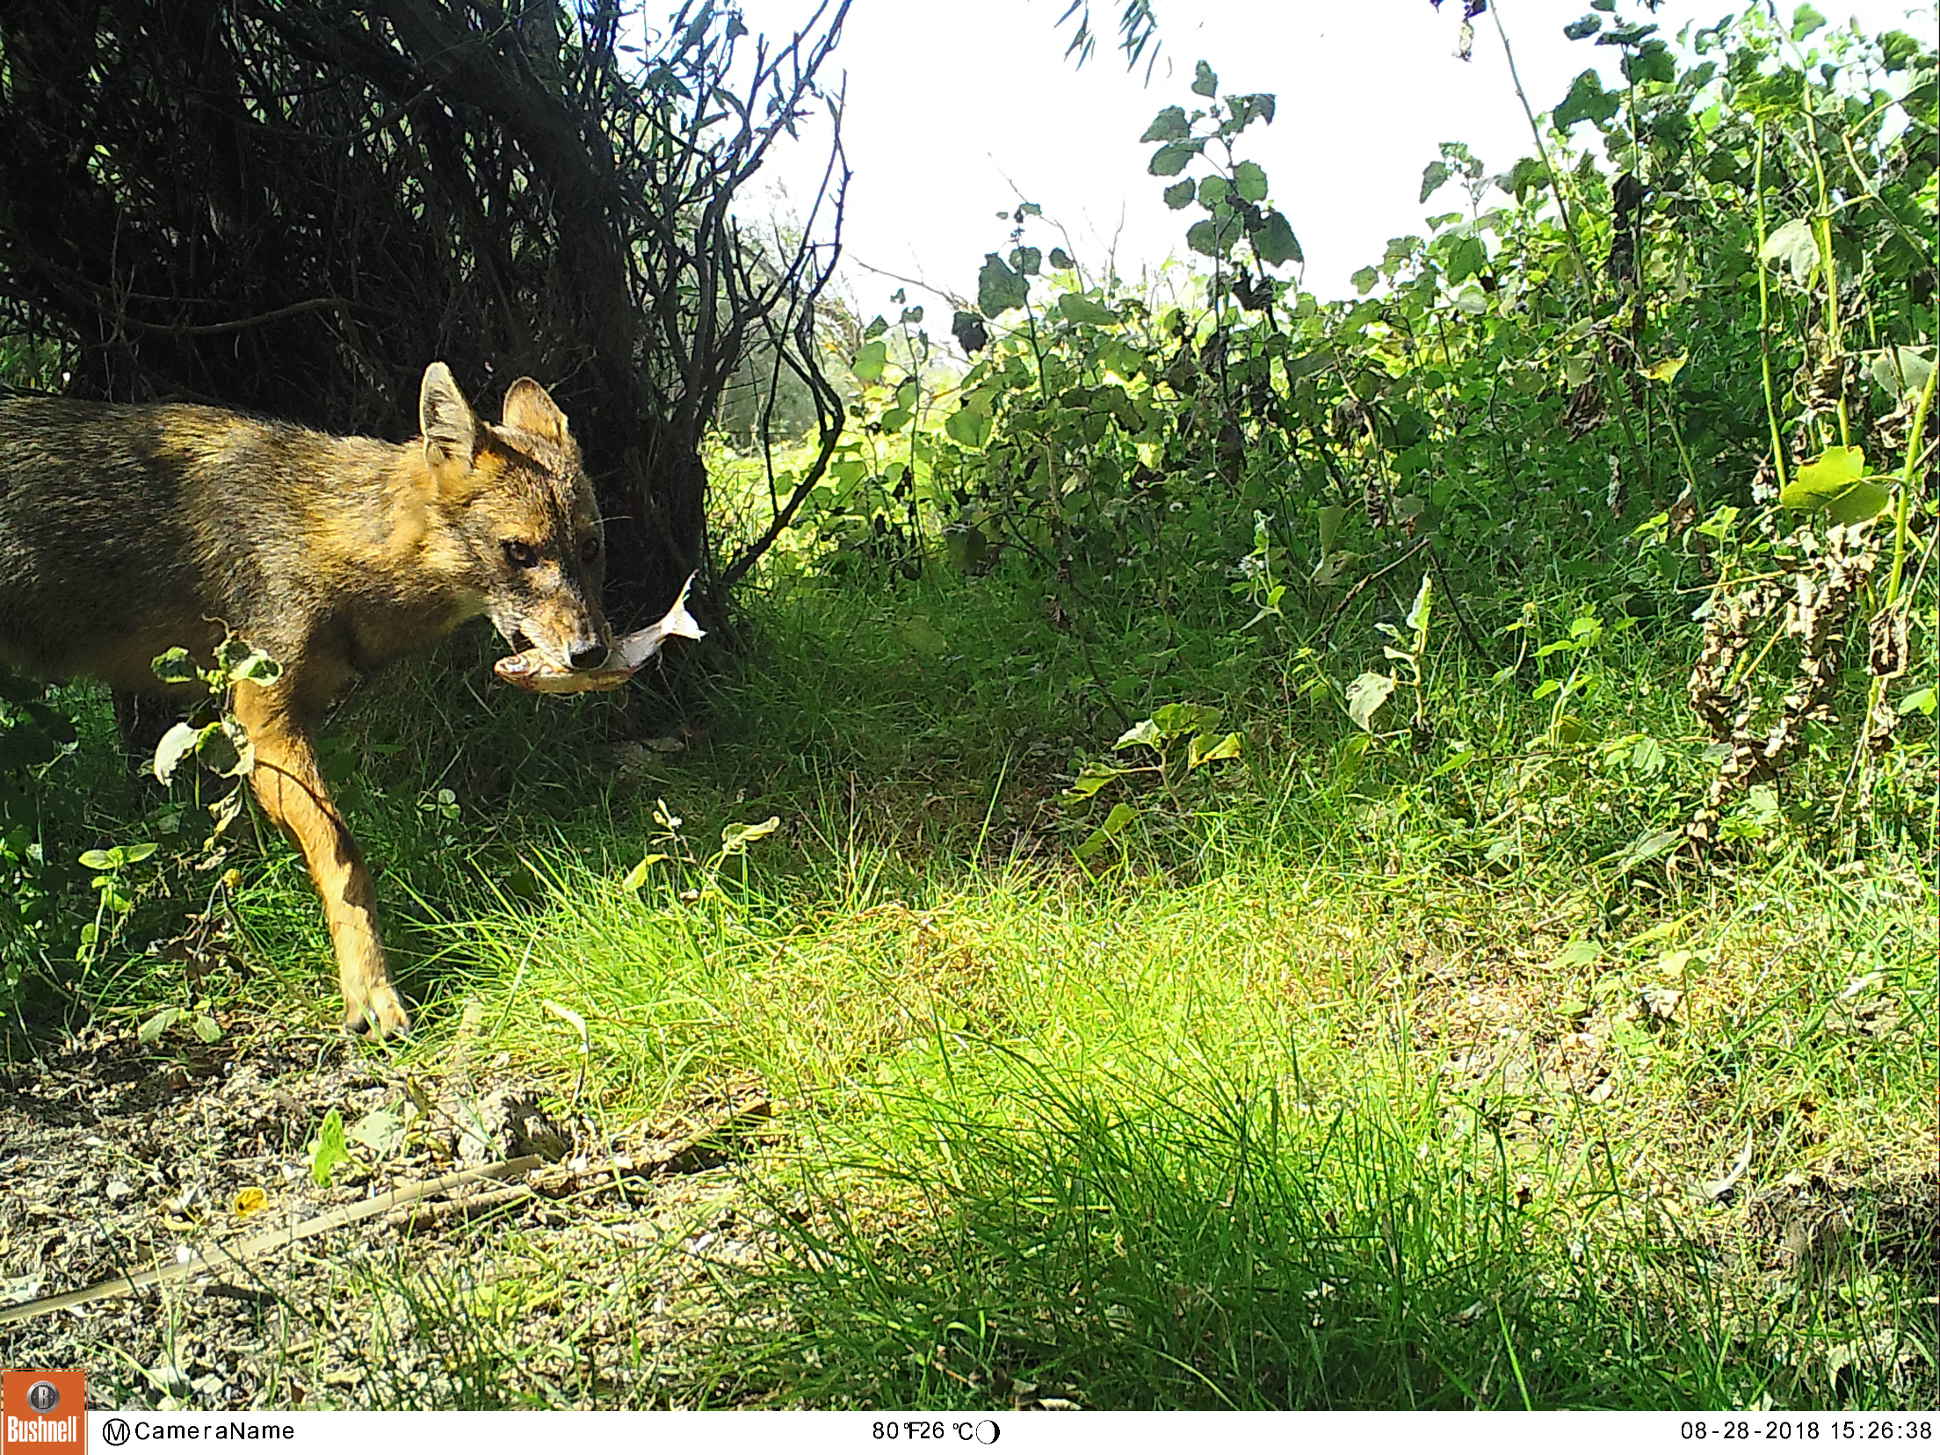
(377, 1013)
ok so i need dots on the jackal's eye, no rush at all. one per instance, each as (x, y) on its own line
(522, 555)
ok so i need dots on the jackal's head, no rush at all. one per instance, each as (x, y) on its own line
(521, 516)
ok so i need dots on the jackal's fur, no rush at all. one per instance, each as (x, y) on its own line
(126, 530)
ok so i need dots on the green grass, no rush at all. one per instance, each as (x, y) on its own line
(1341, 1086)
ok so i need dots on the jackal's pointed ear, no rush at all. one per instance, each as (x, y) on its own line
(530, 408)
(450, 431)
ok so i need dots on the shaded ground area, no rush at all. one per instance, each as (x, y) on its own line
(578, 1265)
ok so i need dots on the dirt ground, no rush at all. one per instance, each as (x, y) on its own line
(553, 1283)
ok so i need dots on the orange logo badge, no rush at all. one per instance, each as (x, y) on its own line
(43, 1412)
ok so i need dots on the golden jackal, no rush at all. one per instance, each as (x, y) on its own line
(126, 530)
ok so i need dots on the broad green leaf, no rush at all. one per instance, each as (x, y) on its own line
(1793, 246)
(1206, 748)
(151, 1030)
(174, 665)
(1116, 822)
(1213, 236)
(1091, 780)
(636, 877)
(1805, 20)
(1586, 101)
(736, 837)
(1364, 279)
(1204, 82)
(1922, 701)
(1275, 242)
(1249, 180)
(868, 365)
(1652, 62)
(1577, 953)
(1080, 309)
(1837, 484)
(1432, 177)
(999, 287)
(1176, 719)
(1417, 618)
(255, 666)
(1526, 176)
(971, 334)
(1180, 194)
(1171, 159)
(1213, 191)
(969, 426)
(1139, 734)
(1902, 372)
(1169, 125)
(1365, 694)
(1331, 519)
(1665, 370)
(1027, 260)
(1584, 28)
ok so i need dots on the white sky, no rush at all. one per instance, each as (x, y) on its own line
(955, 107)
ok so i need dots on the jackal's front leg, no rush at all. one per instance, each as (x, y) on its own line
(289, 784)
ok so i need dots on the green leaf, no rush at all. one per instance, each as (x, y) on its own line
(1204, 82)
(1027, 260)
(1577, 953)
(1651, 63)
(1087, 783)
(328, 1150)
(1836, 484)
(151, 1030)
(1526, 176)
(1587, 101)
(971, 334)
(1080, 309)
(1177, 719)
(969, 426)
(174, 665)
(1213, 236)
(1214, 191)
(1364, 279)
(1116, 822)
(1206, 748)
(1902, 372)
(1061, 259)
(1275, 242)
(1249, 180)
(1805, 20)
(1921, 700)
(1180, 194)
(1140, 734)
(636, 877)
(1665, 370)
(1432, 177)
(1795, 246)
(1331, 518)
(1365, 694)
(1417, 618)
(256, 666)
(206, 1030)
(736, 837)
(1584, 28)
(1170, 159)
(1169, 125)
(999, 287)
(868, 365)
